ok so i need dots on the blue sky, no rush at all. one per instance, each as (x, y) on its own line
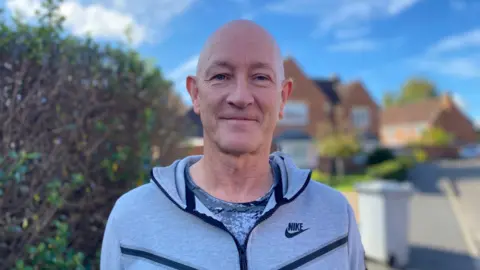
(380, 42)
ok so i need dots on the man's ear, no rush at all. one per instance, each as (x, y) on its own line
(192, 87)
(287, 88)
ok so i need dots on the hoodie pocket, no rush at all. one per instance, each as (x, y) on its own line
(146, 259)
(317, 254)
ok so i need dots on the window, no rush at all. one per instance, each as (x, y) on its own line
(361, 117)
(295, 113)
(303, 153)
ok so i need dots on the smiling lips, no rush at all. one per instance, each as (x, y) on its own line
(239, 118)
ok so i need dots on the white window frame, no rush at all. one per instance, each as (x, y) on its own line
(361, 117)
(295, 113)
(303, 152)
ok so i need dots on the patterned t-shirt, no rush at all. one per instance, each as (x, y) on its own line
(239, 218)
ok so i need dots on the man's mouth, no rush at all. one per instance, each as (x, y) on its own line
(239, 119)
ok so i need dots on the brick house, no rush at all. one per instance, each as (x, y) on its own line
(313, 104)
(318, 104)
(401, 125)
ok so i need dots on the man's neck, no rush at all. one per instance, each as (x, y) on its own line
(230, 178)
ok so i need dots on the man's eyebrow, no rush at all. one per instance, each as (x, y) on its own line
(261, 65)
(219, 63)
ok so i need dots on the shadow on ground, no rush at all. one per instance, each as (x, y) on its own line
(424, 258)
(426, 177)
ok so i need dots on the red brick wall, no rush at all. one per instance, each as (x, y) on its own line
(456, 123)
(357, 95)
(304, 90)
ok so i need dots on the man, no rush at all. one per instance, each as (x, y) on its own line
(237, 206)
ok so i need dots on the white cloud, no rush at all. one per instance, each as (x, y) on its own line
(452, 56)
(180, 73)
(332, 14)
(358, 45)
(461, 67)
(456, 42)
(109, 19)
(477, 123)
(459, 101)
(398, 6)
(349, 33)
(188, 67)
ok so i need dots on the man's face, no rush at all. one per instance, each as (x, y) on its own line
(240, 93)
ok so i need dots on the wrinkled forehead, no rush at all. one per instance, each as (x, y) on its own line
(241, 53)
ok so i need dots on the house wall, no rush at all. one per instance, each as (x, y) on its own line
(400, 135)
(455, 122)
(356, 95)
(304, 90)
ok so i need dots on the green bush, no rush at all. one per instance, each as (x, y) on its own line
(342, 183)
(436, 136)
(420, 155)
(53, 253)
(78, 121)
(389, 170)
(380, 155)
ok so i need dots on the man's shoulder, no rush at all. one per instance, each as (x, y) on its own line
(137, 200)
(324, 193)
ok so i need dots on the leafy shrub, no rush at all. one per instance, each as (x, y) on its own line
(77, 123)
(380, 155)
(389, 170)
(436, 136)
(53, 253)
(339, 145)
(420, 155)
(342, 183)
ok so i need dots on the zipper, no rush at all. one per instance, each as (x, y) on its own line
(280, 200)
(242, 249)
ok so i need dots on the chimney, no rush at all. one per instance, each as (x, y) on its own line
(334, 78)
(446, 101)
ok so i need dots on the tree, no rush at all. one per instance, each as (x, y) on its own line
(340, 146)
(77, 121)
(389, 99)
(415, 89)
(436, 136)
(337, 140)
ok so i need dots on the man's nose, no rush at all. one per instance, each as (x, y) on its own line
(240, 97)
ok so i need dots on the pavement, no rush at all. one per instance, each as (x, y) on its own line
(465, 176)
(435, 235)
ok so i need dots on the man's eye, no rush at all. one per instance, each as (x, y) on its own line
(261, 77)
(220, 77)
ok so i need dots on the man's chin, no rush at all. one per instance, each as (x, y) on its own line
(237, 148)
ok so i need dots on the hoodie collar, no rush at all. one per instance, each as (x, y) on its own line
(171, 180)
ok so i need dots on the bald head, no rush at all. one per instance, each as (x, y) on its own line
(241, 37)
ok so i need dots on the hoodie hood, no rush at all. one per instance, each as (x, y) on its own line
(171, 179)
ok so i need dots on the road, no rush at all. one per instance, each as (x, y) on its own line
(436, 240)
(465, 176)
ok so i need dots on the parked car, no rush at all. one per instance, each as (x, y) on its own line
(469, 151)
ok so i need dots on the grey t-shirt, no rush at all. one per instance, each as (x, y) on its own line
(239, 218)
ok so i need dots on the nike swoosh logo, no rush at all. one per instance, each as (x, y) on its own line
(290, 235)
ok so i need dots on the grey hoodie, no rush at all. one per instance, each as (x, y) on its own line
(161, 225)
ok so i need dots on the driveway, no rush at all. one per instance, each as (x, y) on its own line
(435, 236)
(465, 176)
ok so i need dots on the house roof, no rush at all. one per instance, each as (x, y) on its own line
(327, 87)
(421, 111)
(196, 129)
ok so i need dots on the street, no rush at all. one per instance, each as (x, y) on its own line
(436, 239)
